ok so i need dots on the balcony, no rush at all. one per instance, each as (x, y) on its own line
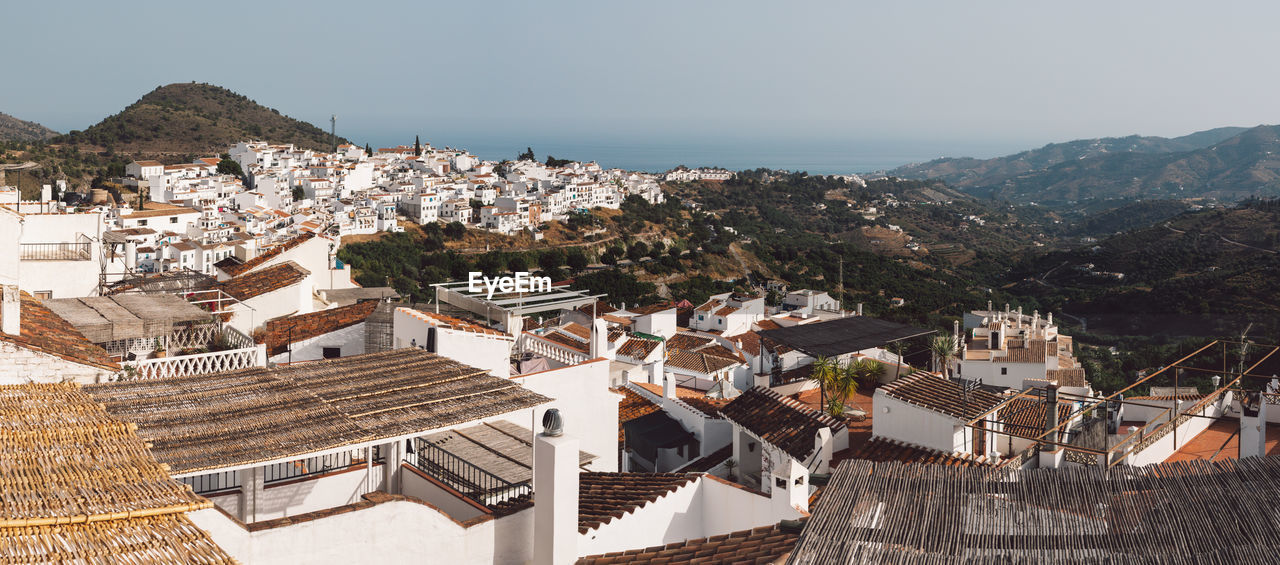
(79, 251)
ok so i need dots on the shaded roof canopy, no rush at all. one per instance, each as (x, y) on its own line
(262, 415)
(127, 316)
(843, 336)
(79, 486)
(46, 332)
(500, 447)
(1186, 512)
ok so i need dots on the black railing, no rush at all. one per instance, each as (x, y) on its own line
(213, 482)
(473, 482)
(299, 468)
(82, 251)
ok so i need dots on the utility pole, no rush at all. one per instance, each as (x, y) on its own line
(840, 288)
(333, 131)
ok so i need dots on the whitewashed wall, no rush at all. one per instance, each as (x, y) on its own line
(589, 408)
(349, 339)
(391, 532)
(907, 423)
(21, 365)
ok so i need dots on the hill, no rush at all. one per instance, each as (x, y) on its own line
(1075, 169)
(13, 129)
(1209, 272)
(195, 118)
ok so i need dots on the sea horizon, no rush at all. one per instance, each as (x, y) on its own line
(819, 157)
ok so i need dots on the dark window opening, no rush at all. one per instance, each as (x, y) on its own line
(332, 352)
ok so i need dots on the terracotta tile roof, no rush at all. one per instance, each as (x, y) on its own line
(235, 268)
(687, 342)
(563, 341)
(940, 395)
(768, 325)
(748, 343)
(698, 362)
(709, 461)
(449, 322)
(154, 210)
(1032, 351)
(638, 347)
(652, 308)
(633, 406)
(46, 332)
(1067, 377)
(881, 449)
(726, 311)
(281, 332)
(760, 545)
(708, 306)
(1025, 417)
(81, 487)
(257, 283)
(601, 307)
(691, 396)
(720, 351)
(605, 496)
(780, 421)
(577, 329)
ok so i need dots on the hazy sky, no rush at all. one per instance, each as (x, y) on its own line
(970, 77)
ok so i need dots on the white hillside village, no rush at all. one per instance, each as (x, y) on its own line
(292, 415)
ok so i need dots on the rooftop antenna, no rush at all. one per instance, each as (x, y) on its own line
(333, 131)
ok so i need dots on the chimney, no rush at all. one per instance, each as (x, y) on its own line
(668, 385)
(1035, 323)
(11, 310)
(1048, 320)
(1019, 317)
(1051, 416)
(988, 307)
(1253, 425)
(555, 479)
(789, 489)
(599, 338)
(130, 255)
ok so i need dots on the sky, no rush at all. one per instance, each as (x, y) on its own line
(896, 81)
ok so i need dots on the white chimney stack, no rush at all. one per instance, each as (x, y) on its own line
(859, 308)
(11, 310)
(668, 385)
(555, 480)
(1019, 317)
(599, 338)
(130, 255)
(1048, 320)
(1253, 425)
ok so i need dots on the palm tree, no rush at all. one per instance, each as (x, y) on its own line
(943, 348)
(867, 372)
(823, 371)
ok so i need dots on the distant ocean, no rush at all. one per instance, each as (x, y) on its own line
(813, 156)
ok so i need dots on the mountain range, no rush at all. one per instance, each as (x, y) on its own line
(1227, 163)
(14, 129)
(196, 118)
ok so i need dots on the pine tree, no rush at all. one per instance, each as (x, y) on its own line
(368, 150)
(417, 147)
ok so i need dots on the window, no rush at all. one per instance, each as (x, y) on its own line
(142, 222)
(173, 220)
(1004, 370)
(332, 352)
(44, 294)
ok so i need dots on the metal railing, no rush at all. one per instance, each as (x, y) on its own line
(471, 481)
(341, 460)
(79, 251)
(213, 482)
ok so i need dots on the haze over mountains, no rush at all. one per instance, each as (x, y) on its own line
(1227, 163)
